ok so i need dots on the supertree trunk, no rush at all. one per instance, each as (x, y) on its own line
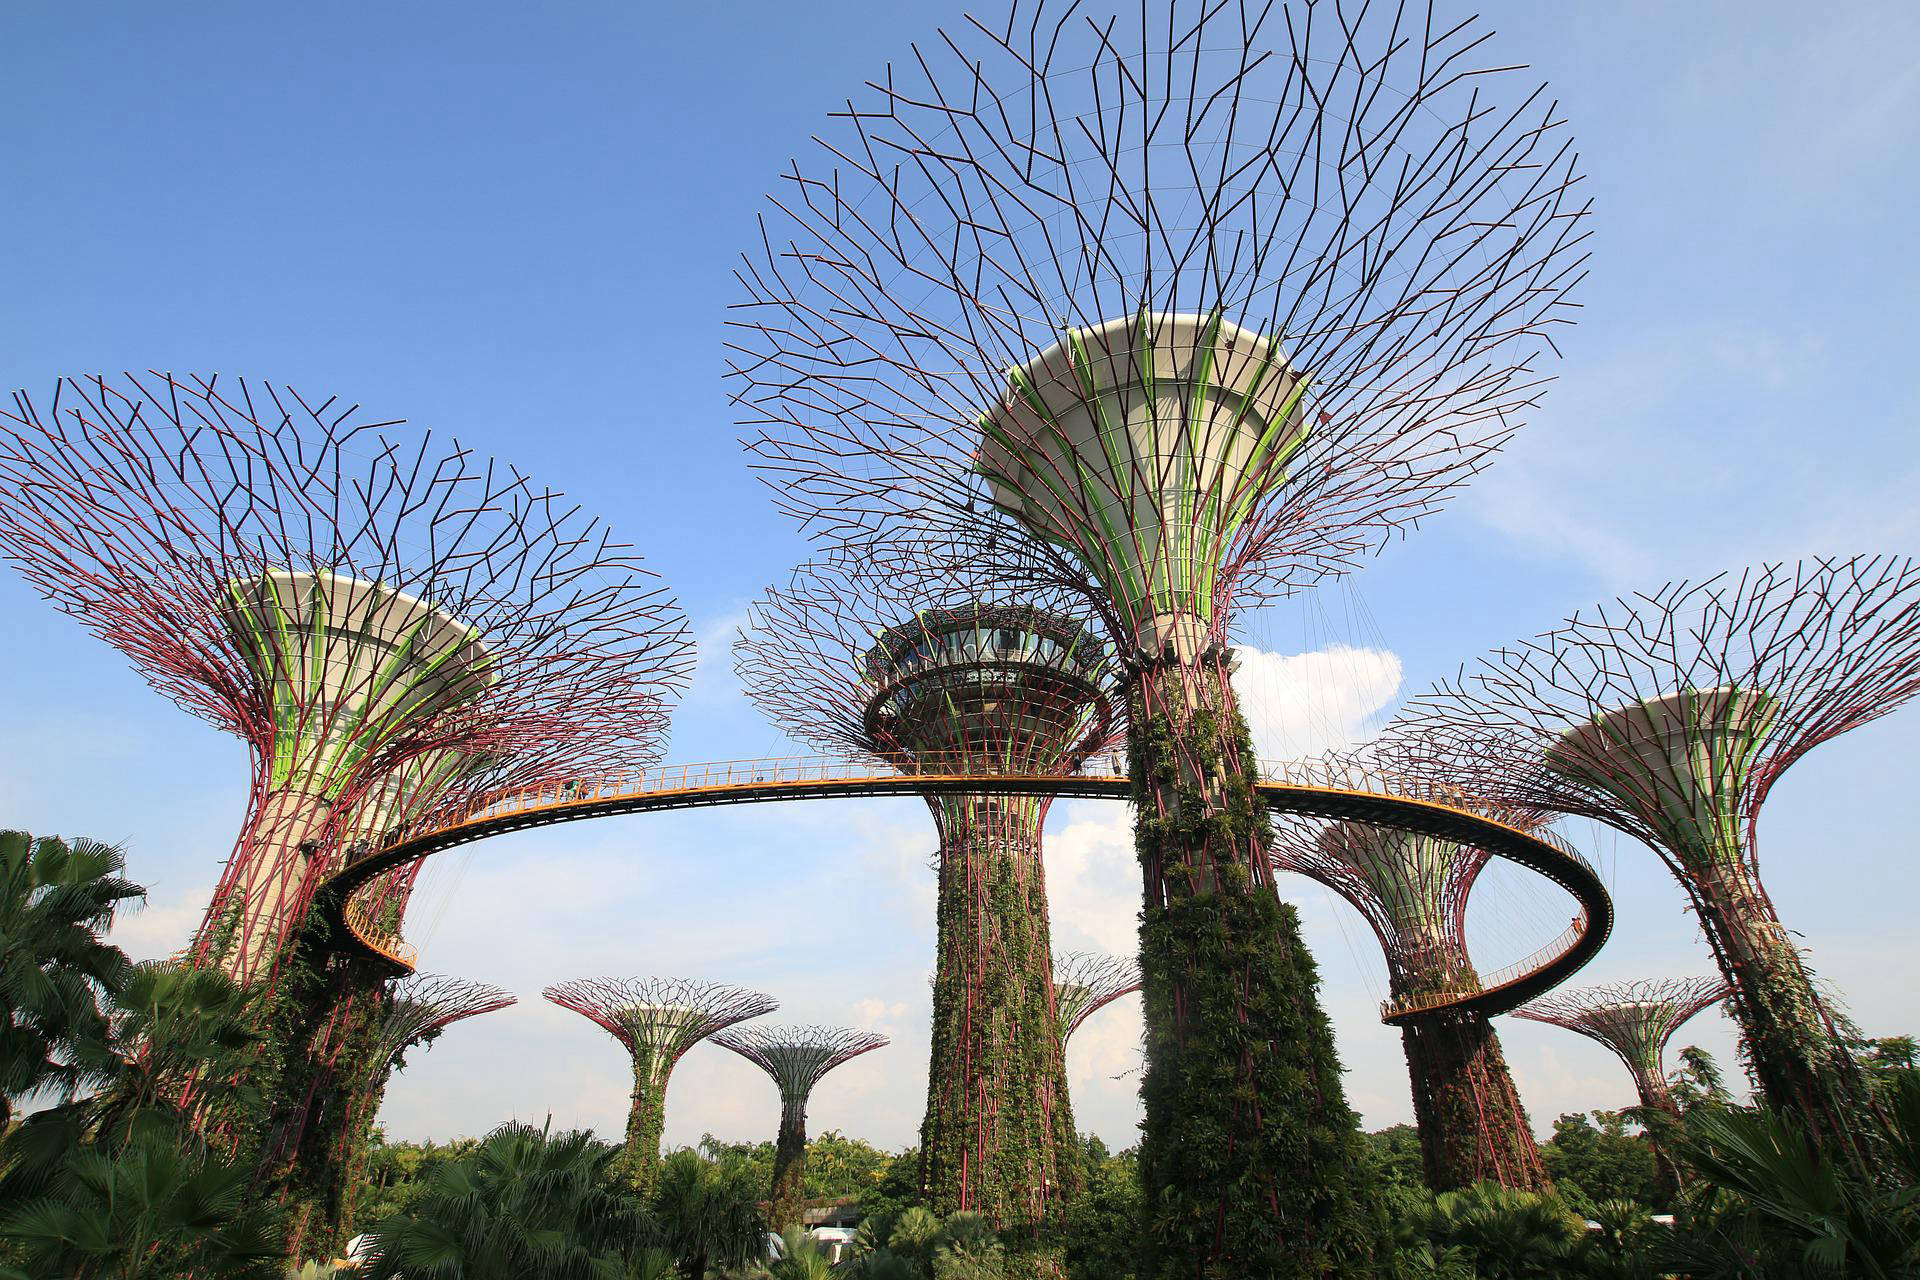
(998, 1134)
(1660, 1117)
(1472, 1125)
(323, 1025)
(788, 1194)
(646, 1120)
(336, 1031)
(1791, 1049)
(1249, 1148)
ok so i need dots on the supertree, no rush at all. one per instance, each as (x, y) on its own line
(1185, 314)
(965, 678)
(1085, 982)
(1413, 891)
(382, 624)
(1670, 715)
(657, 1020)
(410, 1013)
(343, 603)
(1635, 1020)
(796, 1058)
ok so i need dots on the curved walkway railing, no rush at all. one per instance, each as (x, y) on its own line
(1314, 788)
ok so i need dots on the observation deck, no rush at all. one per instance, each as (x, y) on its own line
(1313, 788)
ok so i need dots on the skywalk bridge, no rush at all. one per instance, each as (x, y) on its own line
(1313, 788)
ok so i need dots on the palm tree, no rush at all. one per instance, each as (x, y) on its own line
(177, 1027)
(1771, 1206)
(968, 1248)
(1508, 1235)
(525, 1203)
(708, 1214)
(56, 901)
(157, 1210)
(801, 1258)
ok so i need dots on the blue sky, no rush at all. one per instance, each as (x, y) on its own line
(517, 225)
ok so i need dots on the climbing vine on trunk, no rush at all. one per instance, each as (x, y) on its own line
(998, 1136)
(1251, 1159)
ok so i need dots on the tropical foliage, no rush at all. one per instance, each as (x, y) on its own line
(56, 900)
(121, 1181)
(133, 1152)
(1768, 1206)
(524, 1202)
(1599, 1158)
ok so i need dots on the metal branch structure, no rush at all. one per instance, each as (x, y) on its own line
(1413, 891)
(1085, 982)
(1670, 715)
(324, 1095)
(424, 1005)
(349, 606)
(1181, 309)
(657, 1020)
(413, 1012)
(1635, 1020)
(796, 1058)
(977, 678)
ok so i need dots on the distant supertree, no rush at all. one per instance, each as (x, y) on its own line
(343, 603)
(1085, 982)
(968, 678)
(796, 1058)
(1635, 1020)
(1186, 308)
(1670, 715)
(657, 1020)
(346, 1098)
(1413, 891)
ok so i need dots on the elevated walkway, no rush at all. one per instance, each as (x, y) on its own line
(1313, 788)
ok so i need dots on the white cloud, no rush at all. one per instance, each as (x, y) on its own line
(1305, 704)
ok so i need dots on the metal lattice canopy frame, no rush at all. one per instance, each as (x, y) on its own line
(1085, 982)
(1177, 315)
(797, 1057)
(972, 674)
(1670, 715)
(1634, 1019)
(352, 607)
(426, 1003)
(658, 1019)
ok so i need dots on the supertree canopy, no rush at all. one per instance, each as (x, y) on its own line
(1413, 891)
(335, 1140)
(1635, 1020)
(657, 1020)
(796, 1058)
(1183, 313)
(1085, 982)
(968, 678)
(349, 606)
(1670, 715)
